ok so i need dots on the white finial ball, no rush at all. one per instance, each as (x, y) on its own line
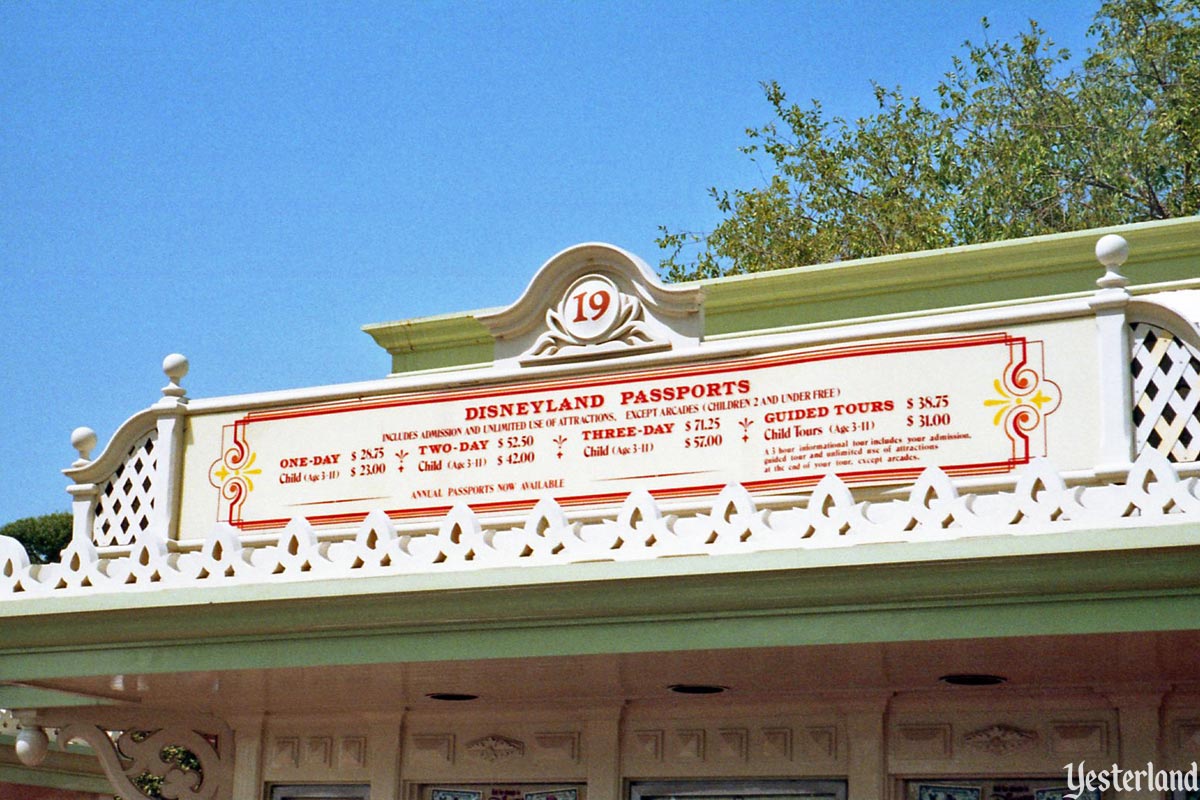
(1112, 250)
(83, 440)
(32, 745)
(175, 366)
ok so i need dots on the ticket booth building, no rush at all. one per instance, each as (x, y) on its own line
(919, 527)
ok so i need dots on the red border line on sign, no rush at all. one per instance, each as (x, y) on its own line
(686, 371)
(736, 365)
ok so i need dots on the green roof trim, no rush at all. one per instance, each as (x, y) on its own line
(1038, 267)
(1056, 265)
(434, 342)
(70, 771)
(1140, 580)
(13, 696)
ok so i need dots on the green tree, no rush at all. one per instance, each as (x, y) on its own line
(1019, 141)
(44, 537)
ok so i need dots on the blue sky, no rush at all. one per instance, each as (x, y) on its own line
(249, 183)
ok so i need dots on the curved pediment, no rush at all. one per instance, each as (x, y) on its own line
(595, 300)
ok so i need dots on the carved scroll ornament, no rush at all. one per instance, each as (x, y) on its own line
(496, 748)
(1001, 740)
(182, 763)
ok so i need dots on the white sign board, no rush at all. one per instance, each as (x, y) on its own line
(874, 412)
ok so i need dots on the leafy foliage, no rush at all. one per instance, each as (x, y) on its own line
(44, 537)
(1019, 143)
(152, 785)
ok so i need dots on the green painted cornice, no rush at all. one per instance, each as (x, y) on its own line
(1050, 584)
(70, 771)
(1039, 267)
(18, 696)
(1034, 268)
(433, 342)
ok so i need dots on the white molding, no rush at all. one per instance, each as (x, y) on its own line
(934, 510)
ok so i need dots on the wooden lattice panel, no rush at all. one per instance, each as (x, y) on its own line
(126, 502)
(1166, 393)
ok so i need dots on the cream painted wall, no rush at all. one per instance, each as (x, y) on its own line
(876, 742)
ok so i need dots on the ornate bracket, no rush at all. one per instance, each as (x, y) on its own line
(185, 759)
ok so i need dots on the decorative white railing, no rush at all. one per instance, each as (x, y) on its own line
(1041, 502)
(126, 527)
